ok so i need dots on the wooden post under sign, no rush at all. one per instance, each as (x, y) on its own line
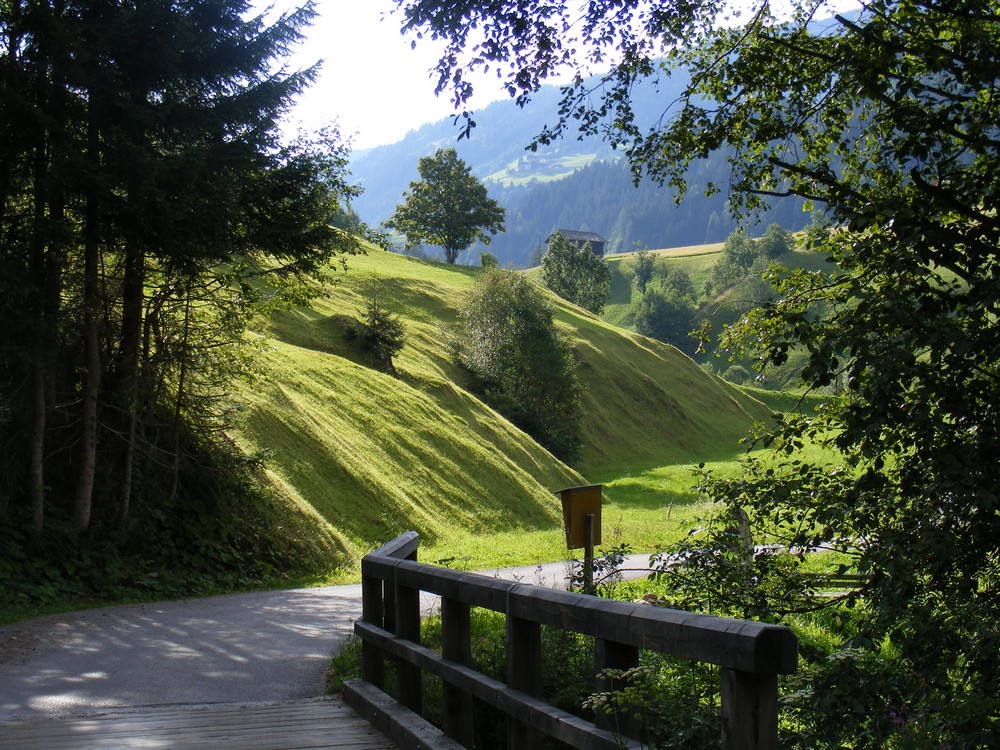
(588, 553)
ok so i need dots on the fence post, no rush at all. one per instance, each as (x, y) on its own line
(372, 611)
(619, 656)
(408, 688)
(524, 673)
(749, 710)
(456, 646)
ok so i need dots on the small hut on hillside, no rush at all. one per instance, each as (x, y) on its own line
(597, 243)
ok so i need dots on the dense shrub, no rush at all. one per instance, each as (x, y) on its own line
(524, 368)
(381, 332)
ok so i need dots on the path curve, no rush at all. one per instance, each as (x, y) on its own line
(259, 646)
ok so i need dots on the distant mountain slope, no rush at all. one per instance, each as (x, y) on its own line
(571, 184)
(372, 455)
(496, 148)
(602, 197)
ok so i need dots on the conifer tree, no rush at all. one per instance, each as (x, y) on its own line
(142, 176)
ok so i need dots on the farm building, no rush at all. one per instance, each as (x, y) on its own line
(597, 243)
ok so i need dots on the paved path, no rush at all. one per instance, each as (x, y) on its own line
(260, 646)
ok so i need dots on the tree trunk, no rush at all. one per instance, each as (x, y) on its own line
(128, 462)
(179, 404)
(36, 436)
(37, 447)
(92, 355)
(133, 298)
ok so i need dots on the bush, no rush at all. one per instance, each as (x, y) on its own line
(523, 367)
(739, 375)
(381, 333)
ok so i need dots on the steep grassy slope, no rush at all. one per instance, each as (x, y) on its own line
(373, 454)
(648, 405)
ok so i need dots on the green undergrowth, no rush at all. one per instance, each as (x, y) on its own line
(227, 529)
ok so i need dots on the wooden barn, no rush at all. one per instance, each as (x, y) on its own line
(597, 243)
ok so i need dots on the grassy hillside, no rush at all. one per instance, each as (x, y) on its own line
(373, 455)
(648, 405)
(719, 310)
(697, 260)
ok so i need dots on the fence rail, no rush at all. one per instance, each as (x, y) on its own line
(750, 655)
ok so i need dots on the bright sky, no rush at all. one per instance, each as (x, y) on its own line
(372, 83)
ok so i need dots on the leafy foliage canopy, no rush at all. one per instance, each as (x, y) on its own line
(525, 368)
(669, 318)
(886, 119)
(576, 274)
(641, 269)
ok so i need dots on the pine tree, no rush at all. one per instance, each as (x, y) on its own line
(143, 184)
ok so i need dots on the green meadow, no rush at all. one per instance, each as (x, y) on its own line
(536, 168)
(367, 455)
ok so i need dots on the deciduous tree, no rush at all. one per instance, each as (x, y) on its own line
(640, 268)
(668, 319)
(885, 118)
(738, 255)
(677, 282)
(576, 274)
(448, 207)
(525, 368)
(775, 242)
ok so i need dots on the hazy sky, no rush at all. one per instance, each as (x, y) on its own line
(372, 83)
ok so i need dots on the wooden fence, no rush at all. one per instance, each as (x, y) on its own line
(750, 655)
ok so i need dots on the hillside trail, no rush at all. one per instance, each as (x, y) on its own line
(258, 646)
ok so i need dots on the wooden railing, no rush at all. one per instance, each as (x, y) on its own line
(750, 655)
